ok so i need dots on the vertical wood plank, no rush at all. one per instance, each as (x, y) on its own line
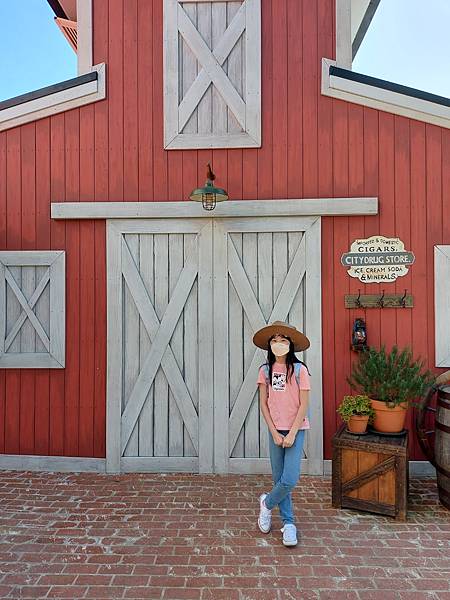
(145, 99)
(130, 101)
(294, 101)
(191, 353)
(189, 69)
(131, 344)
(87, 284)
(116, 101)
(234, 68)
(176, 252)
(310, 74)
(161, 409)
(115, 336)
(280, 101)
(236, 340)
(72, 380)
(204, 26)
(28, 333)
(387, 215)
(145, 422)
(221, 349)
(219, 108)
(205, 338)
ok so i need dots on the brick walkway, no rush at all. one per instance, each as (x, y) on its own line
(194, 536)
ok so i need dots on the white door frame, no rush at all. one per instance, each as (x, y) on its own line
(230, 424)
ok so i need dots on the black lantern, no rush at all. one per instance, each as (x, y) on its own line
(359, 335)
(209, 195)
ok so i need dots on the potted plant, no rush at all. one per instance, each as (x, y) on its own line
(356, 411)
(392, 380)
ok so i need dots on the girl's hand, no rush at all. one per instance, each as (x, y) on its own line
(289, 440)
(278, 439)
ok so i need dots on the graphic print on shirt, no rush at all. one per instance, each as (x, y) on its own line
(278, 382)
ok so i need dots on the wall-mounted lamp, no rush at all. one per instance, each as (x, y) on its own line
(359, 335)
(209, 195)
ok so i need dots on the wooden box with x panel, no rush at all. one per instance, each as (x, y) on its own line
(370, 472)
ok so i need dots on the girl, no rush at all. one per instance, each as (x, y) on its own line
(284, 396)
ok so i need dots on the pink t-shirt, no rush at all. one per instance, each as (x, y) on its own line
(284, 397)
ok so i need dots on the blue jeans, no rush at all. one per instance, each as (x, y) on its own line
(285, 463)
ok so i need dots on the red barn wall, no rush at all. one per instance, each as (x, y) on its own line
(313, 146)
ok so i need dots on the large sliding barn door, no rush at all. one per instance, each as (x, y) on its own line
(265, 269)
(160, 370)
(184, 300)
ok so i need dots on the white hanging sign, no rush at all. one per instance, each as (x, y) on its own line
(377, 259)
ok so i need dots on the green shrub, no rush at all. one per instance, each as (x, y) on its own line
(393, 377)
(356, 406)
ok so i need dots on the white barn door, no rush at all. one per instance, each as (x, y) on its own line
(185, 297)
(160, 370)
(265, 269)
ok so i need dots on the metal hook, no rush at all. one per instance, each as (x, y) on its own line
(403, 299)
(358, 301)
(381, 300)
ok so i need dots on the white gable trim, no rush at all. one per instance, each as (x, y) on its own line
(74, 97)
(382, 99)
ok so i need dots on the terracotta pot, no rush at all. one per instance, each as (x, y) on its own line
(358, 424)
(389, 420)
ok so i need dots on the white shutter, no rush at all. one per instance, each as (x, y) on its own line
(442, 304)
(212, 74)
(32, 309)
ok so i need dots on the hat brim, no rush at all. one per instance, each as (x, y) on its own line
(262, 337)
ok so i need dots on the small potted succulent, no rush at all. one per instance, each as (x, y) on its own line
(356, 411)
(393, 381)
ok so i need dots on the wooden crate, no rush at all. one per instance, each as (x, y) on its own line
(370, 473)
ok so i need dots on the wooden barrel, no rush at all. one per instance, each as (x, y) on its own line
(442, 445)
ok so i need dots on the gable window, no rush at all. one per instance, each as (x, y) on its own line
(75, 18)
(339, 80)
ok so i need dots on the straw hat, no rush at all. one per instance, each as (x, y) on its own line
(261, 337)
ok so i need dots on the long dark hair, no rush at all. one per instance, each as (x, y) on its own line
(291, 359)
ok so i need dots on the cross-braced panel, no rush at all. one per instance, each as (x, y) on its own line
(212, 74)
(32, 309)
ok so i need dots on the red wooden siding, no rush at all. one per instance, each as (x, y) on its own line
(313, 146)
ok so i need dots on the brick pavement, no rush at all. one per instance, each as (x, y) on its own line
(194, 536)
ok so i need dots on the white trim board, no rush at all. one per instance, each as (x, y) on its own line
(235, 208)
(442, 305)
(84, 36)
(58, 102)
(74, 464)
(65, 464)
(381, 99)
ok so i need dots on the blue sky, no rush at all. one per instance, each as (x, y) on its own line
(408, 43)
(33, 51)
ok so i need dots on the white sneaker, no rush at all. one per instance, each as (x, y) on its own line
(265, 515)
(289, 534)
